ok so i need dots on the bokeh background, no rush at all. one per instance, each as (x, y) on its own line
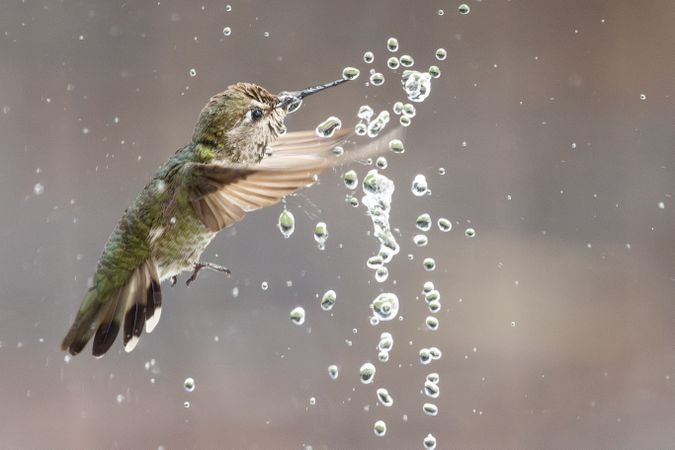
(554, 122)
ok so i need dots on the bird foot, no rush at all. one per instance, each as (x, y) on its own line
(206, 265)
(174, 280)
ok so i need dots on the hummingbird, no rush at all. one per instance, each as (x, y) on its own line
(240, 159)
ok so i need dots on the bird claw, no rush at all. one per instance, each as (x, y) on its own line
(174, 280)
(206, 265)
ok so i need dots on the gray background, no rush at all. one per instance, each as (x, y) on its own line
(580, 258)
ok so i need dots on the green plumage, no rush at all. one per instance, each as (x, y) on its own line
(204, 187)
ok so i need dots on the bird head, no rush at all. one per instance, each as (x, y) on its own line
(238, 123)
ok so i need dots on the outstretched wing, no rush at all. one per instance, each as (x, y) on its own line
(222, 195)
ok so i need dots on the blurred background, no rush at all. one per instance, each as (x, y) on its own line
(554, 124)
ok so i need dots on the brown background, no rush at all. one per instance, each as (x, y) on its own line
(581, 258)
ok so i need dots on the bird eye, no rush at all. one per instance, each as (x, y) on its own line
(256, 114)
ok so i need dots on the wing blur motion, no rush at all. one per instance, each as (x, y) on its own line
(222, 195)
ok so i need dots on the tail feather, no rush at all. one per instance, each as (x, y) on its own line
(137, 302)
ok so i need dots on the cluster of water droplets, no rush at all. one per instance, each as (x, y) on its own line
(378, 190)
(377, 198)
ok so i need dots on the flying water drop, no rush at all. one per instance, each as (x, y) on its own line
(328, 300)
(380, 428)
(286, 223)
(367, 373)
(385, 306)
(384, 397)
(419, 185)
(321, 234)
(416, 85)
(298, 315)
(350, 73)
(328, 127)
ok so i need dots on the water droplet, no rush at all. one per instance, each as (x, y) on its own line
(396, 146)
(643, 97)
(338, 150)
(416, 85)
(264, 285)
(351, 179)
(434, 71)
(470, 232)
(381, 274)
(444, 225)
(434, 306)
(186, 405)
(328, 127)
(513, 324)
(433, 377)
(441, 12)
(397, 108)
(432, 296)
(464, 9)
(286, 223)
(428, 287)
(383, 356)
(407, 61)
(38, 189)
(377, 79)
(392, 44)
(321, 234)
(312, 401)
(266, 34)
(431, 389)
(429, 442)
(419, 185)
(420, 240)
(378, 124)
(381, 162)
(350, 73)
(189, 384)
(367, 373)
(441, 54)
(368, 57)
(386, 341)
(380, 428)
(384, 397)
(385, 306)
(423, 222)
(193, 72)
(425, 356)
(298, 315)
(432, 323)
(228, 8)
(119, 398)
(360, 129)
(227, 31)
(333, 371)
(365, 113)
(328, 300)
(374, 262)
(378, 191)
(435, 353)
(409, 110)
(393, 63)
(404, 121)
(430, 409)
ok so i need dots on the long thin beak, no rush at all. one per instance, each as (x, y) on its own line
(292, 100)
